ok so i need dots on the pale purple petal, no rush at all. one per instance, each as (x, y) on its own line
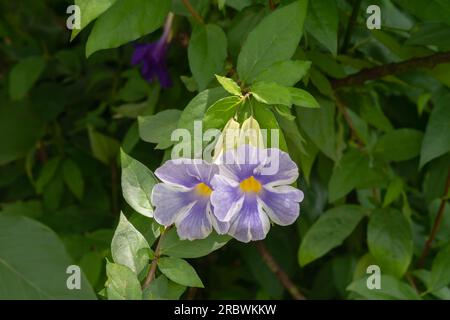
(203, 171)
(281, 204)
(227, 198)
(195, 223)
(251, 224)
(278, 169)
(176, 173)
(170, 203)
(243, 162)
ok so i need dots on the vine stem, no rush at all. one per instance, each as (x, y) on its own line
(351, 24)
(377, 72)
(154, 264)
(436, 225)
(192, 11)
(278, 271)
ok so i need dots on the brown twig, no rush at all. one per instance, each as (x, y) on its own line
(278, 271)
(272, 5)
(436, 225)
(192, 11)
(367, 74)
(343, 110)
(154, 264)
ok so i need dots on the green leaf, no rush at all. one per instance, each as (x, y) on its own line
(329, 231)
(127, 245)
(440, 271)
(220, 112)
(104, 148)
(229, 85)
(171, 245)
(436, 141)
(425, 277)
(20, 121)
(318, 124)
(159, 127)
(285, 73)
(163, 289)
(137, 185)
(179, 271)
(389, 238)
(429, 11)
(302, 98)
(125, 21)
(23, 76)
(271, 93)
(90, 10)
(354, 170)
(47, 173)
(33, 262)
(268, 121)
(435, 34)
(122, 283)
(322, 22)
(399, 145)
(273, 40)
(73, 178)
(393, 191)
(391, 289)
(207, 52)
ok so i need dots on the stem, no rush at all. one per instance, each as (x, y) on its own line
(437, 224)
(192, 11)
(351, 25)
(391, 68)
(278, 271)
(154, 264)
(272, 5)
(343, 109)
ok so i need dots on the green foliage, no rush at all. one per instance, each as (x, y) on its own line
(179, 271)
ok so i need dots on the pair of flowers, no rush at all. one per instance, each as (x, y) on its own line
(239, 196)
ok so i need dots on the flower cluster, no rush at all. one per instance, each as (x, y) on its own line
(247, 189)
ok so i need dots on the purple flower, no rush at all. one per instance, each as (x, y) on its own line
(184, 198)
(252, 189)
(152, 57)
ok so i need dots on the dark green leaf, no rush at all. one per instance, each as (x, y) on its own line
(179, 271)
(159, 127)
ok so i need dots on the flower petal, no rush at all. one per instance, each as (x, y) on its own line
(176, 172)
(243, 162)
(195, 223)
(203, 171)
(251, 223)
(227, 198)
(281, 204)
(278, 169)
(140, 52)
(170, 202)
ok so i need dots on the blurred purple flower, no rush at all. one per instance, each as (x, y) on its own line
(152, 57)
(183, 198)
(252, 189)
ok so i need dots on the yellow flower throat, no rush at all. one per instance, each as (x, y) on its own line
(203, 190)
(251, 185)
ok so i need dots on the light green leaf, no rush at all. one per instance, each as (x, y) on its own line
(104, 148)
(273, 40)
(159, 127)
(389, 238)
(33, 262)
(220, 112)
(125, 21)
(90, 10)
(73, 178)
(23, 76)
(393, 191)
(122, 283)
(271, 93)
(285, 73)
(322, 22)
(127, 245)
(163, 289)
(436, 141)
(391, 289)
(229, 85)
(268, 121)
(354, 170)
(399, 145)
(425, 277)
(440, 271)
(179, 271)
(302, 98)
(207, 52)
(329, 231)
(171, 245)
(137, 185)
